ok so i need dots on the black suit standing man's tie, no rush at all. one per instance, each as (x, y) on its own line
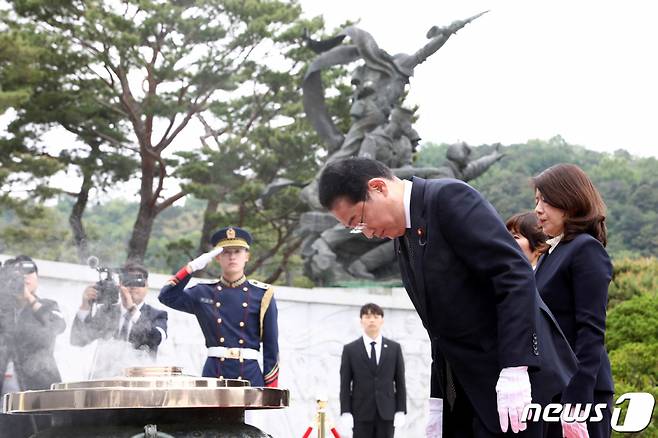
(373, 354)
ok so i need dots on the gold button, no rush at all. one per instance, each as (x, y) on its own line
(246, 289)
(219, 320)
(241, 341)
(244, 304)
(241, 323)
(221, 339)
(218, 304)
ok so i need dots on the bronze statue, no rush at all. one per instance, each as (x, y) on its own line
(392, 143)
(379, 84)
(382, 129)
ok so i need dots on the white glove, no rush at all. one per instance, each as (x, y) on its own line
(400, 419)
(346, 423)
(434, 428)
(512, 394)
(202, 261)
(573, 429)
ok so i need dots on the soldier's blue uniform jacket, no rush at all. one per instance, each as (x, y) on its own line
(242, 314)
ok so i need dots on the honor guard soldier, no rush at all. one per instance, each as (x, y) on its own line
(236, 315)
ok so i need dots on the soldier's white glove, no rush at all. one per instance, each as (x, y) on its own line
(202, 261)
(400, 419)
(513, 392)
(346, 423)
(434, 428)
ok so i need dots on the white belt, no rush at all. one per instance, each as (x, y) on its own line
(233, 353)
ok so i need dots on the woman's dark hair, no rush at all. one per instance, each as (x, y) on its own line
(527, 225)
(349, 178)
(567, 187)
(371, 309)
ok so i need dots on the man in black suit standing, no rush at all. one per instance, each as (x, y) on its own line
(372, 390)
(495, 345)
(130, 320)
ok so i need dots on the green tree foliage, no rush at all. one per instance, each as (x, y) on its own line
(37, 231)
(67, 97)
(18, 74)
(632, 333)
(159, 64)
(632, 278)
(23, 173)
(257, 138)
(629, 186)
(634, 321)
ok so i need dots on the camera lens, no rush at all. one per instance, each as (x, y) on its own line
(133, 280)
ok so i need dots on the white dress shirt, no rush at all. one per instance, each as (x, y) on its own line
(82, 314)
(406, 200)
(554, 241)
(133, 317)
(378, 346)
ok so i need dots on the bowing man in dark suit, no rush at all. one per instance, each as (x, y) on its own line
(131, 320)
(495, 345)
(573, 278)
(372, 388)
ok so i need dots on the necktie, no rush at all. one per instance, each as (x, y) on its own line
(373, 354)
(123, 333)
(410, 255)
(407, 243)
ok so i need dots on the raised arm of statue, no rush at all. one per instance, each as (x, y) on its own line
(477, 167)
(437, 38)
(434, 44)
(407, 172)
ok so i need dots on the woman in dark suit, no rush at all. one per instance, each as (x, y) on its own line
(573, 278)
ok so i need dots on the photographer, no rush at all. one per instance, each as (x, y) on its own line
(130, 320)
(28, 328)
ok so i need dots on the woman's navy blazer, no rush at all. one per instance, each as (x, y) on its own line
(573, 282)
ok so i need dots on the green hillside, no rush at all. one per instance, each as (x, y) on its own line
(629, 186)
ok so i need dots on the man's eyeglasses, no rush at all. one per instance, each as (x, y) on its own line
(358, 228)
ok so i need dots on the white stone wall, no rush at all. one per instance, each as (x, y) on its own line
(314, 324)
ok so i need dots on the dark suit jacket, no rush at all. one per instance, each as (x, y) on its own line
(143, 335)
(573, 281)
(364, 389)
(475, 293)
(28, 339)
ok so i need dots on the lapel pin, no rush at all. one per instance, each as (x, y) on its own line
(421, 236)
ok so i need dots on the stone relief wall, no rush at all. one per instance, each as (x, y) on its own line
(314, 324)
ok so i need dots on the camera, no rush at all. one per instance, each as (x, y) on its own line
(132, 279)
(106, 286)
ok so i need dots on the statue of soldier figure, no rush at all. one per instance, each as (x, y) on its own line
(382, 129)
